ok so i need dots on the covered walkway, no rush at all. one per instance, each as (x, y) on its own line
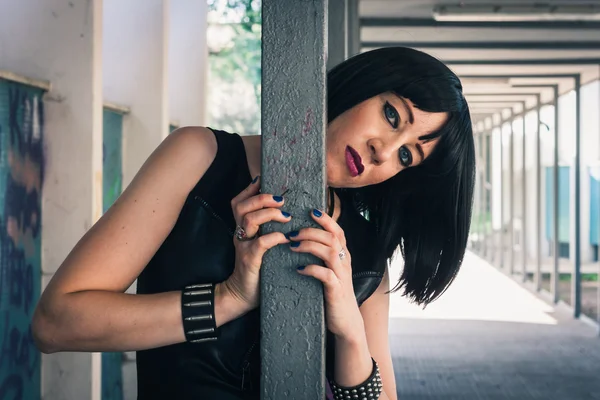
(490, 338)
(520, 322)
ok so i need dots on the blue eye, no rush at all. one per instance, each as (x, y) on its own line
(391, 115)
(405, 156)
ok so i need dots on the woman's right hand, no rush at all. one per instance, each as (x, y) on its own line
(250, 211)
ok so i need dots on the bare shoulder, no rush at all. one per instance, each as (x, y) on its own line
(192, 146)
(252, 145)
(198, 137)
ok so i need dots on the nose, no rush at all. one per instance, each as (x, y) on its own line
(382, 151)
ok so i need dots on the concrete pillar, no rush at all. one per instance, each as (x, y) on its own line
(337, 49)
(136, 61)
(511, 191)
(590, 131)
(478, 198)
(555, 283)
(135, 74)
(188, 62)
(293, 162)
(60, 42)
(353, 28)
(576, 277)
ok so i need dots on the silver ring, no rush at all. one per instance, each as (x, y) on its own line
(241, 235)
(342, 254)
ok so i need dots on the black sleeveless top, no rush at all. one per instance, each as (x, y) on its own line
(200, 249)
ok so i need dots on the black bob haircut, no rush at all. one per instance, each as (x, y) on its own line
(424, 210)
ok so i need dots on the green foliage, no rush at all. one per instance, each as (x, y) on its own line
(236, 63)
(566, 277)
(481, 222)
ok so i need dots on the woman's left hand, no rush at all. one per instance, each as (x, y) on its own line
(341, 309)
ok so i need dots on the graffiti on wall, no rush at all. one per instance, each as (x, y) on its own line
(112, 157)
(112, 177)
(21, 179)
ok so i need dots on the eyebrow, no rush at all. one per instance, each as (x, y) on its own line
(411, 117)
(420, 150)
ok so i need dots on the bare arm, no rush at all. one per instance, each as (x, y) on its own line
(84, 307)
(353, 357)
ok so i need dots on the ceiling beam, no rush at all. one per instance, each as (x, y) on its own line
(431, 23)
(576, 78)
(522, 76)
(496, 45)
(555, 61)
(497, 102)
(552, 86)
(503, 94)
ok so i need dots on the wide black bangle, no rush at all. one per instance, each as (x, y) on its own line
(198, 313)
(368, 390)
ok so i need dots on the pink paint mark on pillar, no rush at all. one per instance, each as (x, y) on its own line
(308, 122)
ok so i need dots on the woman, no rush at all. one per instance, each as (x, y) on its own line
(400, 167)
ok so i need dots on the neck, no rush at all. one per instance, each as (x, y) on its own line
(333, 204)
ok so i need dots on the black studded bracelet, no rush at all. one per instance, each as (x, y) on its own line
(368, 390)
(198, 313)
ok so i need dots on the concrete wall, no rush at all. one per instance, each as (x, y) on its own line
(21, 180)
(136, 75)
(188, 61)
(60, 41)
(51, 176)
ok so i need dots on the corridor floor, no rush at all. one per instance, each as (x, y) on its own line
(489, 338)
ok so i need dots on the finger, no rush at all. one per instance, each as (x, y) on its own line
(251, 222)
(256, 203)
(325, 275)
(250, 191)
(259, 246)
(329, 224)
(328, 254)
(315, 235)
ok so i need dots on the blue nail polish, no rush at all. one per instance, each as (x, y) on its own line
(300, 267)
(285, 214)
(278, 199)
(295, 244)
(317, 213)
(293, 234)
(255, 179)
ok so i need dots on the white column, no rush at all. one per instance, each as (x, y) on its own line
(136, 61)
(188, 62)
(135, 74)
(60, 42)
(590, 143)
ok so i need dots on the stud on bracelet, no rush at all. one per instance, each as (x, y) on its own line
(369, 390)
(198, 313)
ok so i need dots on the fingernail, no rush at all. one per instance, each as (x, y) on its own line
(317, 213)
(255, 179)
(300, 267)
(292, 234)
(287, 215)
(295, 244)
(278, 199)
